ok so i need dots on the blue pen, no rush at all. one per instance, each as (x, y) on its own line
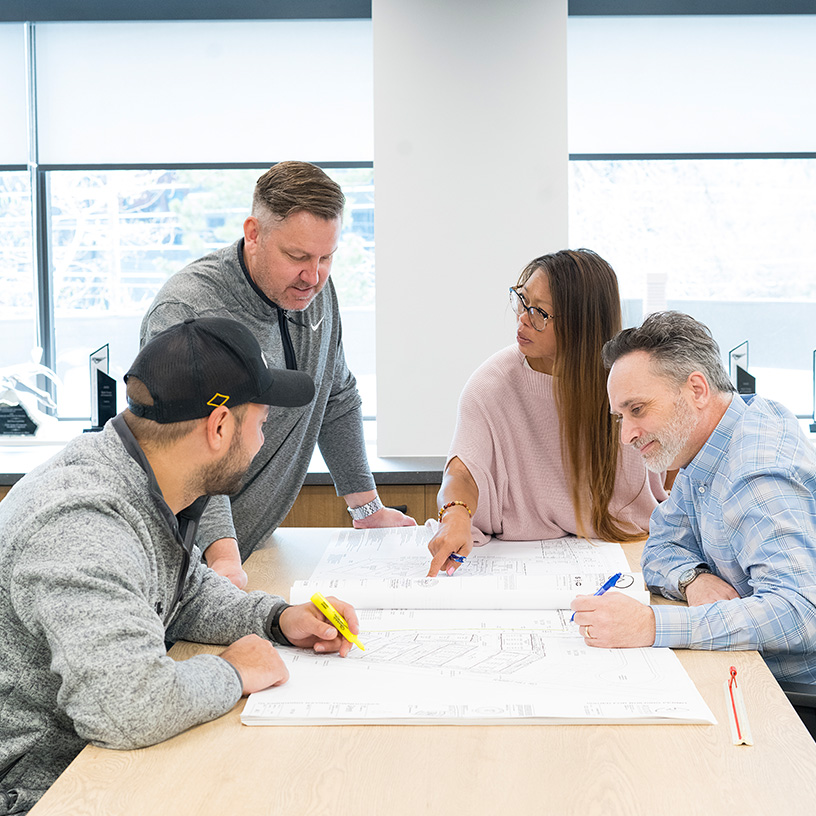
(605, 588)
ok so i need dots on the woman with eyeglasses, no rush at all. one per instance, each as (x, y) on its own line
(536, 453)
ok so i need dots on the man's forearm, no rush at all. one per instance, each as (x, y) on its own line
(342, 445)
(223, 557)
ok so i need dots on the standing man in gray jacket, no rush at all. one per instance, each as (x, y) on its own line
(98, 566)
(275, 280)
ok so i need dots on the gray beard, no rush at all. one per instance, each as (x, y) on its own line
(672, 439)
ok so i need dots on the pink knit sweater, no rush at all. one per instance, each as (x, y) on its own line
(507, 435)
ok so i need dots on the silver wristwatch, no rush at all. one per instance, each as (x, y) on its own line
(359, 513)
(689, 575)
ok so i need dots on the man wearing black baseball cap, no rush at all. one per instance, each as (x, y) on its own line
(199, 359)
(98, 565)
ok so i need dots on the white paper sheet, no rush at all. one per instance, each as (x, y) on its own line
(478, 667)
(473, 665)
(386, 568)
(402, 552)
(466, 592)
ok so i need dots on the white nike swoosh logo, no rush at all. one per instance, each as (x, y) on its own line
(316, 326)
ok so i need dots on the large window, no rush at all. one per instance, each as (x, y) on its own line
(144, 140)
(731, 241)
(694, 173)
(690, 172)
(117, 235)
(17, 302)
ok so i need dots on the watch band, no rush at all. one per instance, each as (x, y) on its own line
(273, 626)
(359, 513)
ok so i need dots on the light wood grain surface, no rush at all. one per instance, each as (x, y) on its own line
(226, 768)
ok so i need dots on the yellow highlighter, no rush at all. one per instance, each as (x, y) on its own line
(336, 619)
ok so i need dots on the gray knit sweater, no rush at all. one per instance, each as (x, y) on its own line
(216, 285)
(94, 576)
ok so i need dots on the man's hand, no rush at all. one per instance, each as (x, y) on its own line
(614, 621)
(453, 536)
(387, 517)
(707, 588)
(222, 556)
(256, 660)
(305, 626)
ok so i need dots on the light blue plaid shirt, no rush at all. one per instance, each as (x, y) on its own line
(746, 507)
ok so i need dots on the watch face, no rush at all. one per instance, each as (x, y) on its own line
(687, 577)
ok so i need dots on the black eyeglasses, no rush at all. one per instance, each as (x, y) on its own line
(538, 317)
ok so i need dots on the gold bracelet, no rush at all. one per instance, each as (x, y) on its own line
(453, 504)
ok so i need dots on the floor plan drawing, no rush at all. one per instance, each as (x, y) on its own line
(484, 657)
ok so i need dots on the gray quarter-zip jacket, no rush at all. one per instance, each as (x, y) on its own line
(95, 574)
(218, 285)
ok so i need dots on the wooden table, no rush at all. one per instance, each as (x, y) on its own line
(225, 768)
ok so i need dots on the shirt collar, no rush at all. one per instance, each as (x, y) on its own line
(708, 458)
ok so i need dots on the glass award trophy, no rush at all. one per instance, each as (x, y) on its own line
(103, 389)
(738, 369)
(20, 414)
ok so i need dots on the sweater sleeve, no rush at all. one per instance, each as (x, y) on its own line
(341, 439)
(213, 610)
(93, 605)
(475, 445)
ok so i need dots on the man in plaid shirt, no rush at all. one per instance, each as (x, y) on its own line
(737, 537)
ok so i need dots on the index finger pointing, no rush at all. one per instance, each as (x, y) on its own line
(438, 561)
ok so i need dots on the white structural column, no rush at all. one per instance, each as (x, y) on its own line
(470, 168)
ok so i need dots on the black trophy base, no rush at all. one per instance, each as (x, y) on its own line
(15, 421)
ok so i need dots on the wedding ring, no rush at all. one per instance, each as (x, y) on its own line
(586, 633)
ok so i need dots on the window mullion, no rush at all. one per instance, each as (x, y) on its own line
(43, 279)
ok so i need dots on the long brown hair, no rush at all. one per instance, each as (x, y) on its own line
(586, 304)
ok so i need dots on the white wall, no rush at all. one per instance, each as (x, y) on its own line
(470, 152)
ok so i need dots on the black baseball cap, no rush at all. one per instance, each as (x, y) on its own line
(205, 362)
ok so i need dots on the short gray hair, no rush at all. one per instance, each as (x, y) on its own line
(677, 344)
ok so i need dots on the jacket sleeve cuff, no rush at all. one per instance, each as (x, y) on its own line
(272, 627)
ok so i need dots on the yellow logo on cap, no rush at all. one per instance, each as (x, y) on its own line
(217, 400)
